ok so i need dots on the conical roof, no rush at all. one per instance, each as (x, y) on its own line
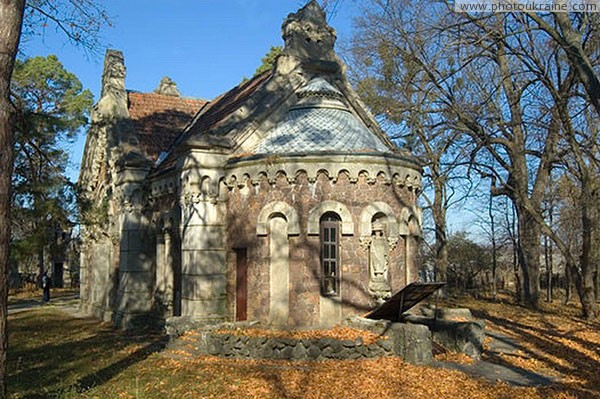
(320, 121)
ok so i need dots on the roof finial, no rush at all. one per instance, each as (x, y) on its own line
(113, 98)
(307, 35)
(167, 87)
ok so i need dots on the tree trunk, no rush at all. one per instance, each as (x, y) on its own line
(585, 279)
(597, 281)
(11, 15)
(40, 267)
(529, 257)
(513, 235)
(494, 260)
(441, 241)
(568, 284)
(548, 261)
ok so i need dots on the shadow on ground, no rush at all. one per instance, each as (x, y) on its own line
(77, 353)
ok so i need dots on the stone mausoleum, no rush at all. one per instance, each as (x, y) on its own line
(280, 201)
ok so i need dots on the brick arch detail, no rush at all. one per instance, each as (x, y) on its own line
(367, 215)
(278, 207)
(330, 206)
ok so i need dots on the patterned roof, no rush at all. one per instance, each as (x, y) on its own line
(320, 121)
(159, 119)
(319, 86)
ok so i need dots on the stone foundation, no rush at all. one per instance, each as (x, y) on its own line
(410, 342)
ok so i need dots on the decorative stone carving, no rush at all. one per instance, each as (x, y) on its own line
(392, 242)
(365, 242)
(167, 87)
(307, 35)
(366, 217)
(379, 285)
(113, 98)
(311, 165)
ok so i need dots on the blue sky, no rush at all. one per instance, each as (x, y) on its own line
(206, 46)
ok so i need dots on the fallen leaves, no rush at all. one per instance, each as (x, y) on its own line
(552, 340)
(454, 358)
(337, 332)
(112, 364)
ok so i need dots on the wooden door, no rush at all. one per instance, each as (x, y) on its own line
(241, 284)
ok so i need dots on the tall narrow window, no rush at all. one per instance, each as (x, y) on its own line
(330, 254)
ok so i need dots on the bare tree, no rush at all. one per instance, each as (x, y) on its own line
(497, 79)
(398, 91)
(571, 32)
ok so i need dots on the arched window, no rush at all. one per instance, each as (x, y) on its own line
(329, 233)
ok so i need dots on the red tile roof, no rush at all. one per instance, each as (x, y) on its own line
(159, 119)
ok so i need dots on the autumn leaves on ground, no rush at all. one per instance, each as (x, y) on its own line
(53, 354)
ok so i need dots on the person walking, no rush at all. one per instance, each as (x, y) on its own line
(45, 288)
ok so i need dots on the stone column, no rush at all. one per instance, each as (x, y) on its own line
(168, 276)
(160, 260)
(203, 233)
(410, 256)
(137, 249)
(203, 256)
(279, 308)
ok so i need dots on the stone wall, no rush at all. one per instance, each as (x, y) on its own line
(245, 347)
(99, 277)
(410, 342)
(306, 304)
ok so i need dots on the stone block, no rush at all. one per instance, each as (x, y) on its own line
(457, 314)
(131, 302)
(208, 287)
(135, 262)
(314, 352)
(385, 344)
(199, 262)
(375, 326)
(287, 352)
(203, 237)
(411, 342)
(177, 325)
(327, 353)
(205, 213)
(461, 337)
(456, 336)
(300, 352)
(135, 282)
(207, 310)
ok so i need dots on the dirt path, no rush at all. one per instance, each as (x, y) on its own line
(67, 303)
(495, 370)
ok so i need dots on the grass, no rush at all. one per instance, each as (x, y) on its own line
(53, 354)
